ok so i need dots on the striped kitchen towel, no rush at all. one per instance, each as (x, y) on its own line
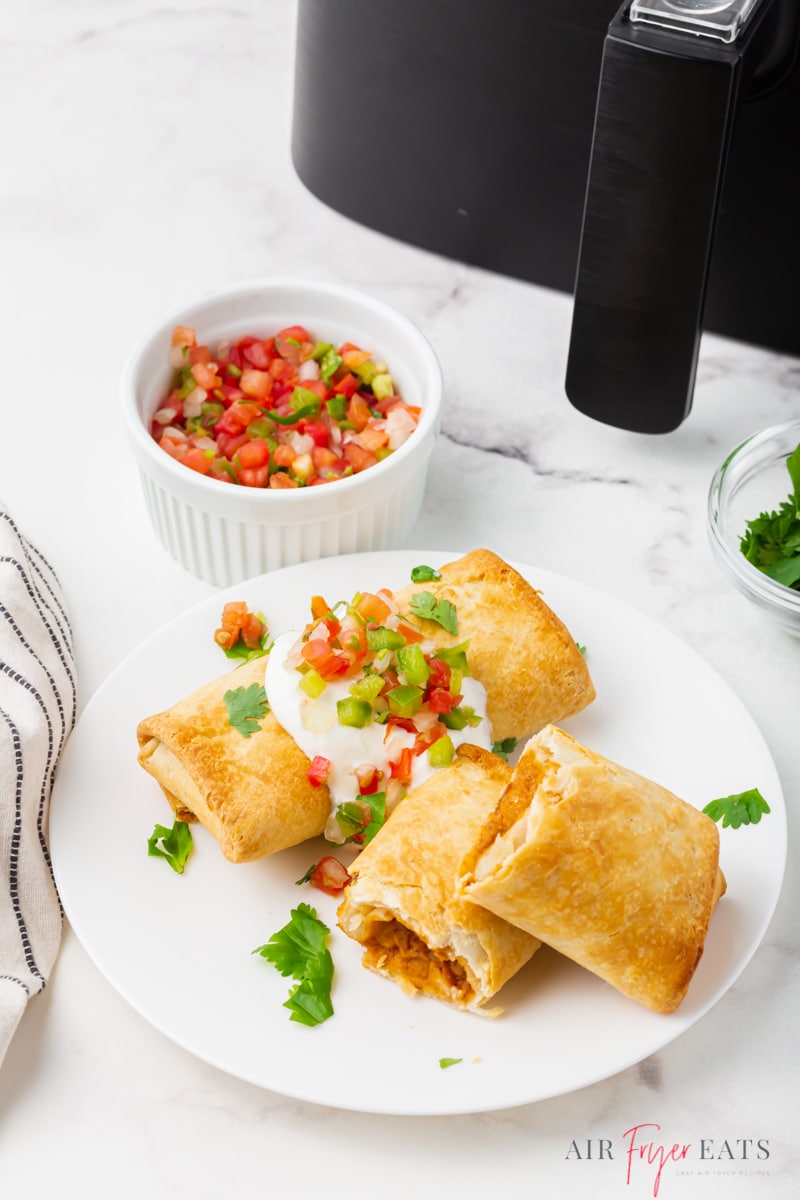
(37, 712)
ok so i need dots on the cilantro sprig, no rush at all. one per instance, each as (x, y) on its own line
(771, 541)
(299, 951)
(175, 845)
(423, 573)
(246, 707)
(743, 808)
(443, 612)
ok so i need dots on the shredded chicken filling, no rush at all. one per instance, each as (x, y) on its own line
(395, 948)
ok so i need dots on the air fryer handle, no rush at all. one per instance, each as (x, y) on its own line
(665, 108)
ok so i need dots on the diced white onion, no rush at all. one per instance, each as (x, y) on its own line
(178, 357)
(301, 443)
(165, 415)
(193, 402)
(176, 434)
(399, 425)
(308, 370)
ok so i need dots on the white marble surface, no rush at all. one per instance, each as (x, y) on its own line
(145, 152)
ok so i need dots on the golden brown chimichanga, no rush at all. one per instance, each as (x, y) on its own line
(252, 793)
(605, 866)
(521, 652)
(402, 905)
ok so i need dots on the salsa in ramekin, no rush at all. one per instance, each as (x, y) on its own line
(281, 412)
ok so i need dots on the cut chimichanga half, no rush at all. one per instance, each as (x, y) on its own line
(521, 652)
(251, 792)
(605, 866)
(402, 905)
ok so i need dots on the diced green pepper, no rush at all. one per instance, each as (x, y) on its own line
(460, 717)
(365, 372)
(382, 386)
(384, 639)
(337, 407)
(312, 683)
(368, 688)
(411, 661)
(262, 427)
(353, 712)
(405, 700)
(302, 398)
(455, 657)
(442, 752)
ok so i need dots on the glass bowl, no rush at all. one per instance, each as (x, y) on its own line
(753, 479)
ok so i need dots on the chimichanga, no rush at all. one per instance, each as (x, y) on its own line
(607, 867)
(521, 652)
(252, 793)
(402, 906)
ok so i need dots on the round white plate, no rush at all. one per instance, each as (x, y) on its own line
(178, 947)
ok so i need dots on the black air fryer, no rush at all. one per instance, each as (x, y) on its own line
(645, 160)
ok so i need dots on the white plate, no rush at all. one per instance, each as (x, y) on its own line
(178, 947)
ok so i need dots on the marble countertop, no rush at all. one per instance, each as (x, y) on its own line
(146, 159)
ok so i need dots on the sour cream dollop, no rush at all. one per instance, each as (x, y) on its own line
(314, 725)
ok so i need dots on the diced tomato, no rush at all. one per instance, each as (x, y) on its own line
(254, 476)
(283, 455)
(256, 383)
(197, 459)
(199, 354)
(441, 700)
(368, 779)
(318, 430)
(323, 456)
(373, 439)
(346, 386)
(231, 393)
(206, 376)
(319, 655)
(372, 608)
(424, 741)
(402, 723)
(228, 443)
(257, 355)
(319, 770)
(439, 674)
(358, 412)
(254, 453)
(358, 458)
(281, 480)
(401, 768)
(182, 335)
(329, 875)
(411, 635)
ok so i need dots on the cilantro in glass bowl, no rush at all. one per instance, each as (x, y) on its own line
(754, 521)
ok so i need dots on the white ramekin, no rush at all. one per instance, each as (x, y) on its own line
(225, 533)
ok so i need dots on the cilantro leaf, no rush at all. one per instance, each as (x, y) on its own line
(299, 950)
(444, 1063)
(422, 573)
(581, 648)
(176, 844)
(425, 605)
(246, 707)
(246, 653)
(743, 808)
(503, 748)
(771, 541)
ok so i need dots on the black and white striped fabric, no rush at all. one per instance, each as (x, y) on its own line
(37, 712)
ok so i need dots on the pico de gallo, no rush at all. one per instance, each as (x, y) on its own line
(284, 411)
(375, 707)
